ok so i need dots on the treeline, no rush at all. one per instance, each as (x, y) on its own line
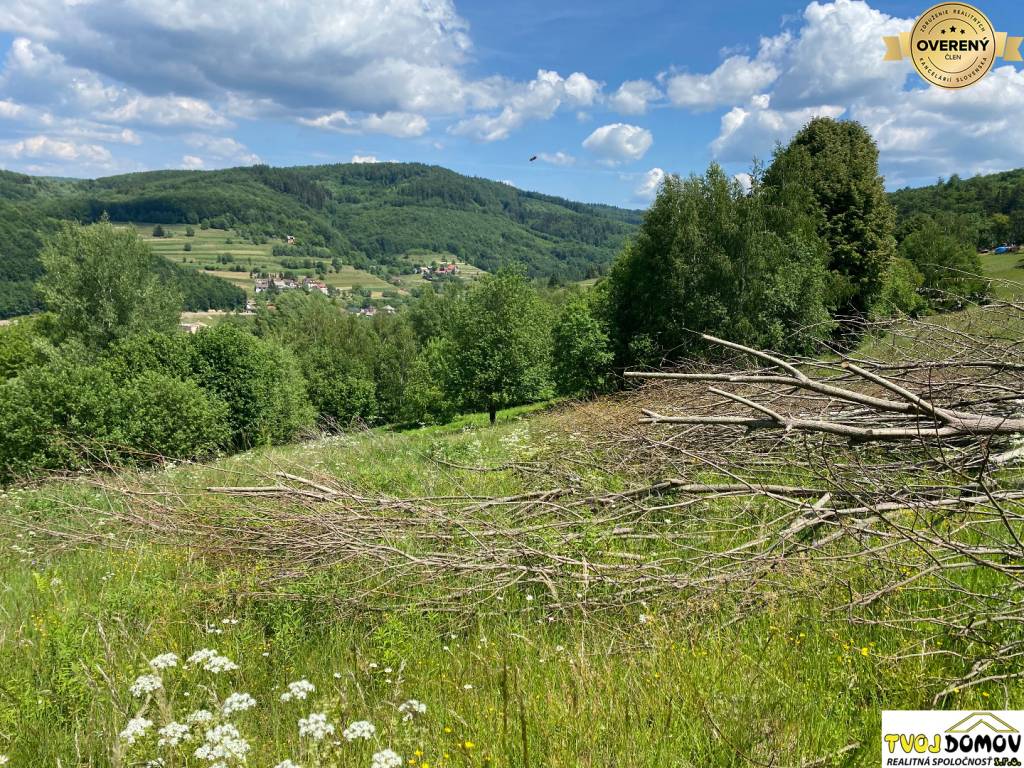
(798, 259)
(988, 210)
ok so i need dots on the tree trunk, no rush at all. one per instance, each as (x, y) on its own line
(492, 413)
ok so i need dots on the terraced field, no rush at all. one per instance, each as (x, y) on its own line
(209, 244)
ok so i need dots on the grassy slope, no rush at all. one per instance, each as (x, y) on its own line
(796, 682)
(208, 244)
(793, 683)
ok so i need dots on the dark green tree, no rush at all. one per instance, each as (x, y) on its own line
(837, 161)
(711, 258)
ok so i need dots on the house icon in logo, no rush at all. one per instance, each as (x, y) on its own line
(977, 720)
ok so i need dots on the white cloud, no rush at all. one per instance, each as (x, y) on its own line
(746, 133)
(9, 109)
(745, 180)
(537, 100)
(557, 158)
(191, 162)
(650, 184)
(736, 79)
(832, 65)
(164, 111)
(364, 159)
(48, 148)
(374, 55)
(222, 150)
(398, 124)
(619, 142)
(633, 96)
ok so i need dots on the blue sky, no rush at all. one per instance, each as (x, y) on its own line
(609, 95)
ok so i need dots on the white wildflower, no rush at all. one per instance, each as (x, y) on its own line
(300, 689)
(360, 729)
(223, 742)
(4, 759)
(135, 729)
(467, 687)
(411, 708)
(199, 717)
(315, 726)
(164, 661)
(146, 684)
(386, 758)
(237, 702)
(172, 734)
(286, 764)
(211, 661)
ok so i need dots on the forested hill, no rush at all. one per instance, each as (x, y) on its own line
(993, 204)
(364, 214)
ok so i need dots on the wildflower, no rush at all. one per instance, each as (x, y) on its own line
(360, 729)
(411, 708)
(315, 726)
(211, 661)
(337, 675)
(286, 764)
(145, 684)
(467, 687)
(300, 689)
(237, 702)
(468, 744)
(172, 734)
(199, 717)
(4, 760)
(864, 651)
(223, 743)
(386, 758)
(164, 661)
(644, 618)
(135, 729)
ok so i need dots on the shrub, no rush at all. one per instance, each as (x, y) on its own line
(172, 418)
(258, 379)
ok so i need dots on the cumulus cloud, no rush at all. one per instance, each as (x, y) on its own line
(47, 148)
(619, 142)
(633, 96)
(735, 79)
(191, 162)
(650, 184)
(398, 124)
(538, 99)
(264, 49)
(364, 159)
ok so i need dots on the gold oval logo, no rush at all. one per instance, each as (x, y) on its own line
(953, 45)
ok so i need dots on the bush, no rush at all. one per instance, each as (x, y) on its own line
(66, 415)
(259, 380)
(581, 361)
(172, 418)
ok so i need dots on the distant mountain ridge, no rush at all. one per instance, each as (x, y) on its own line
(366, 215)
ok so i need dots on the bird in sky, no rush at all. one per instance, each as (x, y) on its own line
(533, 158)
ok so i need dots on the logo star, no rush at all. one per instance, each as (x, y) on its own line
(952, 29)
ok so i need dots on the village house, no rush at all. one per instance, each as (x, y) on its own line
(315, 285)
